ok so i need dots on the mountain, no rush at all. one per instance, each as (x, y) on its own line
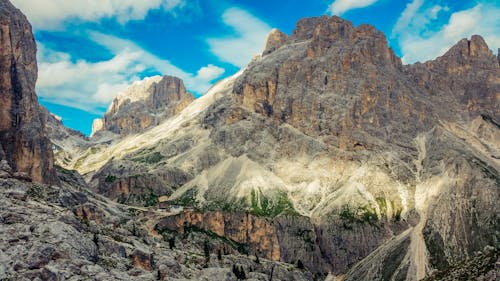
(23, 143)
(325, 157)
(346, 151)
(144, 104)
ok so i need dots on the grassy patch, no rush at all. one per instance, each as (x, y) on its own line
(225, 206)
(271, 207)
(149, 199)
(188, 199)
(151, 158)
(363, 214)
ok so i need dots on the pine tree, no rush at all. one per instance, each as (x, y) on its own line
(171, 243)
(300, 265)
(219, 254)
(206, 250)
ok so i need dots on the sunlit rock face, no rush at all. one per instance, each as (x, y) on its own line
(145, 104)
(22, 135)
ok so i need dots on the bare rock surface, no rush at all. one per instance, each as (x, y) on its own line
(144, 104)
(23, 142)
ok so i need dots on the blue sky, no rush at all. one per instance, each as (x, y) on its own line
(90, 50)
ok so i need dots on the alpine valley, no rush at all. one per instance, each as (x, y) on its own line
(325, 157)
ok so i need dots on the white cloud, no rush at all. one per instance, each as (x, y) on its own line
(92, 85)
(406, 17)
(251, 35)
(50, 14)
(421, 37)
(338, 7)
(210, 72)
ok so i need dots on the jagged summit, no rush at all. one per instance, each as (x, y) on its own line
(144, 104)
(275, 39)
(473, 51)
(327, 34)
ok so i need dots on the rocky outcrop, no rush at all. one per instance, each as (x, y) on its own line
(23, 142)
(67, 143)
(144, 104)
(275, 39)
(256, 234)
(57, 233)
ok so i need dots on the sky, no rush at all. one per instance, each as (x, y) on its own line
(90, 50)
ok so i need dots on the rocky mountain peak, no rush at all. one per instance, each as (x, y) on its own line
(23, 143)
(275, 39)
(333, 33)
(144, 104)
(473, 51)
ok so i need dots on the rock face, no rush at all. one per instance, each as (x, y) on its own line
(382, 171)
(253, 232)
(144, 104)
(22, 135)
(66, 143)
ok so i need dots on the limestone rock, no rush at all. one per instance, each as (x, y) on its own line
(97, 125)
(23, 140)
(275, 39)
(145, 104)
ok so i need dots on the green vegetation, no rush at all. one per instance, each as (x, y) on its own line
(37, 192)
(188, 199)
(363, 214)
(151, 158)
(149, 200)
(239, 272)
(278, 205)
(168, 234)
(240, 247)
(382, 205)
(107, 262)
(397, 215)
(225, 206)
(63, 170)
(206, 252)
(300, 265)
(110, 179)
(171, 242)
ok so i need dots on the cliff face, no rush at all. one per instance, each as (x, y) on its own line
(257, 234)
(346, 85)
(22, 130)
(144, 104)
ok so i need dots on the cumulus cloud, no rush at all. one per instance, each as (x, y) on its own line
(50, 14)
(338, 7)
(92, 85)
(249, 41)
(421, 37)
(210, 72)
